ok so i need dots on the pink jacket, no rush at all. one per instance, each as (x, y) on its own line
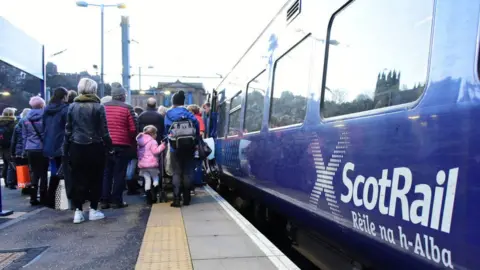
(147, 148)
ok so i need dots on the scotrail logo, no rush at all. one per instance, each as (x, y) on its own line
(325, 174)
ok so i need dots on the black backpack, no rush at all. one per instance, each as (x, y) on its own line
(6, 133)
(182, 136)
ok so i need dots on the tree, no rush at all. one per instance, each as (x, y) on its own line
(339, 96)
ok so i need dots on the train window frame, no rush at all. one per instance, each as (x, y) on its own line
(225, 133)
(304, 38)
(246, 102)
(404, 106)
(235, 109)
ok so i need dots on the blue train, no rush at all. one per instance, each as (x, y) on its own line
(357, 122)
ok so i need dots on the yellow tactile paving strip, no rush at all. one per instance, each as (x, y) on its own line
(165, 243)
(8, 258)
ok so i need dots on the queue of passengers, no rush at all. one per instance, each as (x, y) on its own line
(99, 139)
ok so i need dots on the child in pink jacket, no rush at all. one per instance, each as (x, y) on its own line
(147, 150)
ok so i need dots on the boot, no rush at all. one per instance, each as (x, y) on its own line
(186, 196)
(33, 195)
(148, 196)
(132, 188)
(43, 198)
(51, 191)
(154, 194)
(176, 202)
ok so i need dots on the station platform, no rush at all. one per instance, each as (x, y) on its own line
(208, 234)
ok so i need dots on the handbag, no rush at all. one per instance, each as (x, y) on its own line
(203, 150)
(36, 131)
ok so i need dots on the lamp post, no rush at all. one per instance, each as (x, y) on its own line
(102, 7)
(140, 76)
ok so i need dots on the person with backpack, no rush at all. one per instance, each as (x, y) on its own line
(183, 133)
(7, 127)
(33, 136)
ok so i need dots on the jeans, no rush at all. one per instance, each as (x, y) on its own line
(114, 177)
(183, 167)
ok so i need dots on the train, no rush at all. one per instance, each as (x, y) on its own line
(354, 124)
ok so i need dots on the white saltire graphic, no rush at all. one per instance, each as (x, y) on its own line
(325, 175)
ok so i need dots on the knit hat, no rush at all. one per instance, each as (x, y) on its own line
(178, 98)
(118, 90)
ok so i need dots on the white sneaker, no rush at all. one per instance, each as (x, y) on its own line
(78, 218)
(95, 215)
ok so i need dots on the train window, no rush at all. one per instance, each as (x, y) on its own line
(290, 86)
(222, 116)
(254, 102)
(234, 118)
(236, 101)
(377, 55)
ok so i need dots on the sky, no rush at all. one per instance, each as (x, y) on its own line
(181, 37)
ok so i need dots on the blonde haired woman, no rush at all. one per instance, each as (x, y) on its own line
(86, 141)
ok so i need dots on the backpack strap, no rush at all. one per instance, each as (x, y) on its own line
(36, 130)
(183, 118)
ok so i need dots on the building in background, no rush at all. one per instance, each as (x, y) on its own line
(21, 67)
(194, 93)
(70, 81)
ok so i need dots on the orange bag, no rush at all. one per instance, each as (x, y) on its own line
(23, 176)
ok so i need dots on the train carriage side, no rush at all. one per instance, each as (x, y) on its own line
(356, 122)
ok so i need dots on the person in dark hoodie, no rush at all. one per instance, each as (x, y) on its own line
(54, 120)
(182, 161)
(17, 148)
(72, 94)
(33, 136)
(7, 128)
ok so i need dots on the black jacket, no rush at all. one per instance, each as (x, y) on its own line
(152, 117)
(7, 128)
(87, 123)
